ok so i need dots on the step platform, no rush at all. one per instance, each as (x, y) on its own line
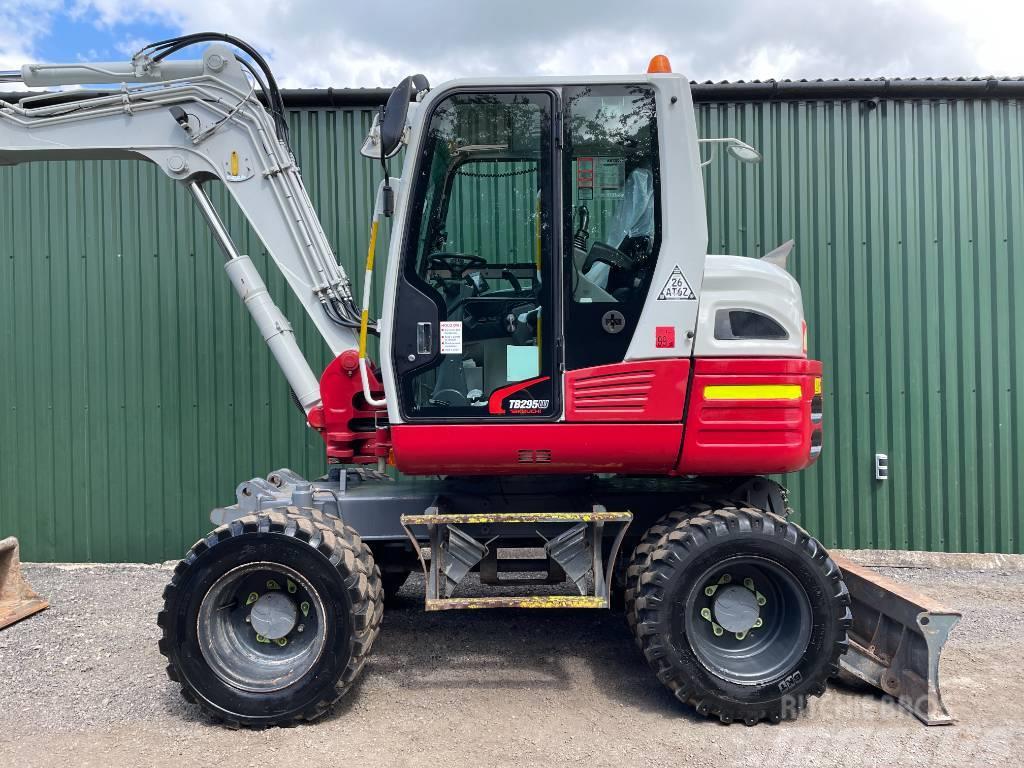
(459, 544)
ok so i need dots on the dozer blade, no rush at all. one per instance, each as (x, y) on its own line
(17, 599)
(896, 640)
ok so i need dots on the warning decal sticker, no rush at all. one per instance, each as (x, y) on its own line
(676, 288)
(451, 337)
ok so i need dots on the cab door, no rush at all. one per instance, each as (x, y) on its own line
(476, 335)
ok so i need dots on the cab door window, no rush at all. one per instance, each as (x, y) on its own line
(480, 246)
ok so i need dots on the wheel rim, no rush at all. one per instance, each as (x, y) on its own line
(747, 620)
(251, 600)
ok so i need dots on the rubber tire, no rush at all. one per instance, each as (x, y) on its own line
(641, 556)
(338, 564)
(685, 552)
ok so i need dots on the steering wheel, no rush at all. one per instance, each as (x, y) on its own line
(456, 263)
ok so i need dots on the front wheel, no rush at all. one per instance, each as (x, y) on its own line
(269, 619)
(741, 614)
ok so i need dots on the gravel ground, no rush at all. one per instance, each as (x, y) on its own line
(82, 684)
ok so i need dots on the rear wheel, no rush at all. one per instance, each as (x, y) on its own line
(269, 619)
(741, 614)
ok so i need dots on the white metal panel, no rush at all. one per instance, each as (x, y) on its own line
(738, 282)
(684, 231)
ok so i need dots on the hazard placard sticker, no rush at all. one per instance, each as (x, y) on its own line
(676, 288)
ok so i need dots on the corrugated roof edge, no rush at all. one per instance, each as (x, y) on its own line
(753, 90)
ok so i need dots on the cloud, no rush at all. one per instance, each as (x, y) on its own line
(315, 43)
(22, 23)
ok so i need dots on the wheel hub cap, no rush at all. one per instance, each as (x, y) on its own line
(736, 609)
(274, 615)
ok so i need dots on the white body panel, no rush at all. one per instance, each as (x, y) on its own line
(684, 229)
(738, 282)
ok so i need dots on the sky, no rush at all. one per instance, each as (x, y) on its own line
(319, 43)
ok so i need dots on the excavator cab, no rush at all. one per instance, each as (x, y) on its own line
(529, 232)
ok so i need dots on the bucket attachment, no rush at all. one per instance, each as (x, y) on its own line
(17, 599)
(896, 640)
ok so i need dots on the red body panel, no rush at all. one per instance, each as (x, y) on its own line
(749, 436)
(639, 391)
(344, 420)
(526, 449)
(625, 418)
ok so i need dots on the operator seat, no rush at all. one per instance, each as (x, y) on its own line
(631, 231)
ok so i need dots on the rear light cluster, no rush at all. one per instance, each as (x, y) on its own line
(816, 419)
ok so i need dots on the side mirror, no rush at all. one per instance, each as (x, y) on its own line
(738, 150)
(392, 124)
(743, 152)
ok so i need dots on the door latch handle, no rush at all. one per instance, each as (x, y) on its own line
(424, 338)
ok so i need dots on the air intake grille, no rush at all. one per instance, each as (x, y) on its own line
(623, 392)
(539, 456)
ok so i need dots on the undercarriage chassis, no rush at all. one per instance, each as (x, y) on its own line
(571, 530)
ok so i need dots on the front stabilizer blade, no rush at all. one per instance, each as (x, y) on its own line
(896, 641)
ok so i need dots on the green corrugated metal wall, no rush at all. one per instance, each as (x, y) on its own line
(907, 218)
(136, 393)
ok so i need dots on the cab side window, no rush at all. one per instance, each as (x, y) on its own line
(612, 195)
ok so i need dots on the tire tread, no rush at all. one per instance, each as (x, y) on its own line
(344, 548)
(667, 544)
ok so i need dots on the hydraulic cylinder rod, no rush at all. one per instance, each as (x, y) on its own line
(274, 326)
(50, 75)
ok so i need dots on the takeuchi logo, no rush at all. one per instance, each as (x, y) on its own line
(516, 405)
(502, 400)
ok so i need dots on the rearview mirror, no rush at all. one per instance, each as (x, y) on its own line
(391, 126)
(738, 150)
(743, 152)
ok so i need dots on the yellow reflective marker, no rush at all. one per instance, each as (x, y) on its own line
(752, 392)
(364, 318)
(234, 164)
(817, 385)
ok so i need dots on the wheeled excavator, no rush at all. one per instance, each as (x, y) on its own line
(575, 406)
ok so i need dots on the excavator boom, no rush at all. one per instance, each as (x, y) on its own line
(198, 121)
